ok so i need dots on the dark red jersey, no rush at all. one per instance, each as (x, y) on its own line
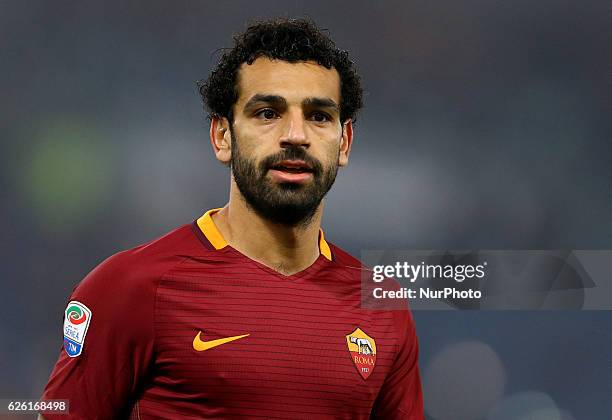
(187, 327)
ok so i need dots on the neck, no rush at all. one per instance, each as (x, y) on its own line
(286, 249)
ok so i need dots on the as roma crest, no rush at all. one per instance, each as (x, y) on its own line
(362, 348)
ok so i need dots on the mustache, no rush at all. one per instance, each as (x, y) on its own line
(291, 153)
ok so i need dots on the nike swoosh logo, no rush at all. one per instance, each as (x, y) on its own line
(200, 345)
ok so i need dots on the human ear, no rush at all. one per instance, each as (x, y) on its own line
(221, 139)
(345, 143)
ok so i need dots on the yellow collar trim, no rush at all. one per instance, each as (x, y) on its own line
(208, 228)
(323, 246)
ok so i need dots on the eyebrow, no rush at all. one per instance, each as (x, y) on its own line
(277, 100)
(321, 103)
(281, 102)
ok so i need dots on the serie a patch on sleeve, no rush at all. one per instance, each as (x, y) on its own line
(76, 321)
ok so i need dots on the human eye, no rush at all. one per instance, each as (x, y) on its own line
(266, 114)
(320, 117)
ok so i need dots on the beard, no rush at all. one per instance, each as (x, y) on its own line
(289, 204)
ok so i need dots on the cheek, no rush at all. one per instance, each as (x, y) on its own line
(250, 155)
(242, 143)
(254, 144)
(332, 150)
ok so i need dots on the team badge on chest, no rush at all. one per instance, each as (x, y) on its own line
(362, 348)
(76, 321)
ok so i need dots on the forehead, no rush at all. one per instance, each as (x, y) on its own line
(293, 81)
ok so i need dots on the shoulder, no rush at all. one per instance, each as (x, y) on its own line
(343, 258)
(120, 293)
(131, 276)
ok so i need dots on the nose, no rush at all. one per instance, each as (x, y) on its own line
(294, 130)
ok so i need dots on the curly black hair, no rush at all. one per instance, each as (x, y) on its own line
(291, 40)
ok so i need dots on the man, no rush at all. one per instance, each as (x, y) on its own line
(249, 311)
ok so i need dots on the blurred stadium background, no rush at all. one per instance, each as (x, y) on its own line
(487, 126)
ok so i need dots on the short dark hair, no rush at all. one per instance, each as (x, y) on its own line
(291, 40)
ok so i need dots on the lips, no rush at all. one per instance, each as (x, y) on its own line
(292, 166)
(291, 171)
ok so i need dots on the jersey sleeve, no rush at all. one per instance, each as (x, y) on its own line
(108, 342)
(401, 396)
